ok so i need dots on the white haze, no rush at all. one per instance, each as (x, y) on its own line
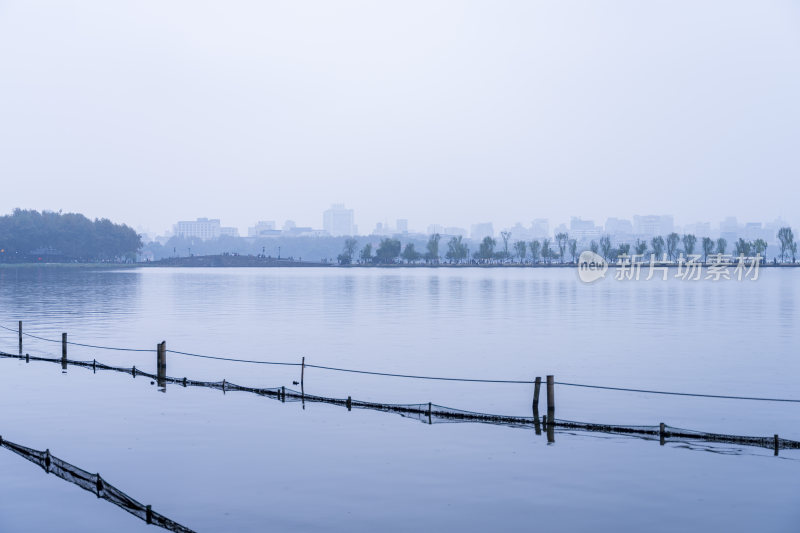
(440, 112)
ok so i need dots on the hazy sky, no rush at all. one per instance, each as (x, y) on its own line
(446, 112)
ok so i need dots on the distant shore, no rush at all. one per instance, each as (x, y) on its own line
(249, 261)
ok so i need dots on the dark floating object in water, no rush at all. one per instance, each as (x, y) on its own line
(95, 484)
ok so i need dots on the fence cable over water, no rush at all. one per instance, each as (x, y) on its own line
(412, 376)
(433, 413)
(95, 484)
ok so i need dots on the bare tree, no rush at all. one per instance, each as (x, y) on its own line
(786, 237)
(672, 245)
(561, 240)
(535, 247)
(546, 252)
(605, 246)
(657, 244)
(505, 235)
(521, 248)
(708, 248)
(689, 242)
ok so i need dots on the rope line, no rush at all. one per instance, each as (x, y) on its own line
(234, 360)
(696, 395)
(438, 378)
(434, 378)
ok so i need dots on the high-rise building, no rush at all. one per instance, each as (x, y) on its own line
(481, 230)
(540, 228)
(653, 225)
(202, 228)
(584, 230)
(338, 220)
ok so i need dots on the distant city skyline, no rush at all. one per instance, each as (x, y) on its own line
(339, 221)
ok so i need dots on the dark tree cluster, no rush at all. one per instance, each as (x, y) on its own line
(33, 236)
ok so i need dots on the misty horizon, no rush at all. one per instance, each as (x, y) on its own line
(254, 112)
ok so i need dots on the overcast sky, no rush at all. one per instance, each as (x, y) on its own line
(445, 112)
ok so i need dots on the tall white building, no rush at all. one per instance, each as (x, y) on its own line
(338, 221)
(653, 225)
(202, 228)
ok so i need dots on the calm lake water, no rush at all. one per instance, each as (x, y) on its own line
(238, 462)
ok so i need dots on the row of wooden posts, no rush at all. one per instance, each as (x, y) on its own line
(161, 356)
(548, 420)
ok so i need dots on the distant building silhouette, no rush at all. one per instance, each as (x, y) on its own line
(203, 228)
(338, 221)
(261, 228)
(482, 230)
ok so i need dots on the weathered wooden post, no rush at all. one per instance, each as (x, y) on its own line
(99, 485)
(20, 337)
(551, 400)
(302, 371)
(283, 393)
(537, 385)
(63, 351)
(148, 514)
(776, 445)
(662, 430)
(161, 365)
(429, 413)
(349, 403)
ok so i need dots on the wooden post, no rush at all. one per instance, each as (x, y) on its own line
(349, 403)
(283, 393)
(63, 351)
(537, 384)
(94, 366)
(161, 365)
(551, 400)
(223, 386)
(662, 430)
(27, 358)
(776, 445)
(20, 337)
(551, 431)
(47, 460)
(133, 371)
(302, 372)
(429, 413)
(99, 485)
(148, 515)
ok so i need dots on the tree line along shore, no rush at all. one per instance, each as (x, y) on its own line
(32, 237)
